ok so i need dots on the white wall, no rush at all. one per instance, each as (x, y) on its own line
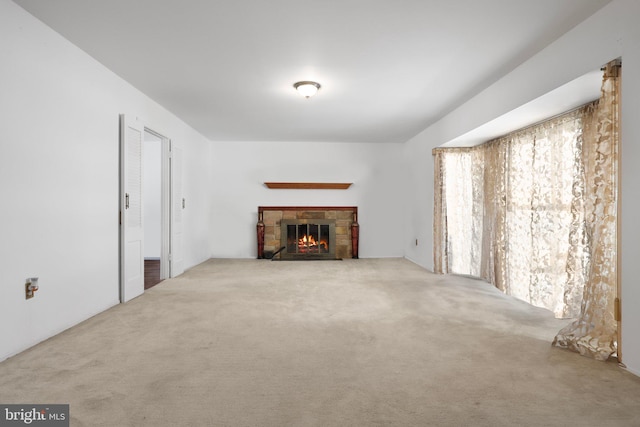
(630, 190)
(610, 33)
(241, 168)
(59, 116)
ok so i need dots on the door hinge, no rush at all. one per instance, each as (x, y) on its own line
(617, 310)
(120, 217)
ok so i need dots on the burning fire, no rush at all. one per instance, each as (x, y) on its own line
(308, 243)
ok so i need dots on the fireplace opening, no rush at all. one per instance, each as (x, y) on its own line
(308, 239)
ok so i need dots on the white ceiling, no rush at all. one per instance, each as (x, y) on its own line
(388, 68)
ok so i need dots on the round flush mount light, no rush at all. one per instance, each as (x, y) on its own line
(307, 88)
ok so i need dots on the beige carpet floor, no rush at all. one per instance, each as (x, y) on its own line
(370, 342)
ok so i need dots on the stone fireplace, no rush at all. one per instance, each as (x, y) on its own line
(307, 233)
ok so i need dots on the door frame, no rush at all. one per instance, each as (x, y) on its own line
(166, 215)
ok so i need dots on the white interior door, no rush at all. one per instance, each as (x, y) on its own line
(178, 205)
(131, 224)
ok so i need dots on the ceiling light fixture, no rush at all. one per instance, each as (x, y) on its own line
(307, 88)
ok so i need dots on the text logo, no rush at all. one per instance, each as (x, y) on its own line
(34, 415)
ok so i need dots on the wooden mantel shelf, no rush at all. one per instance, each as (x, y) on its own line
(309, 185)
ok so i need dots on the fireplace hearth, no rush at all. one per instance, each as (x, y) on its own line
(307, 233)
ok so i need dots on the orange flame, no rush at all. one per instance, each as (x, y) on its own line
(309, 243)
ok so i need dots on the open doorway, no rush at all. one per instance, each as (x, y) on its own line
(144, 212)
(152, 208)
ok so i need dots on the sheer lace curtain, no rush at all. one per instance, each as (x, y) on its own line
(594, 333)
(534, 213)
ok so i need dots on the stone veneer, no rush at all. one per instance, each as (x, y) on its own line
(345, 217)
